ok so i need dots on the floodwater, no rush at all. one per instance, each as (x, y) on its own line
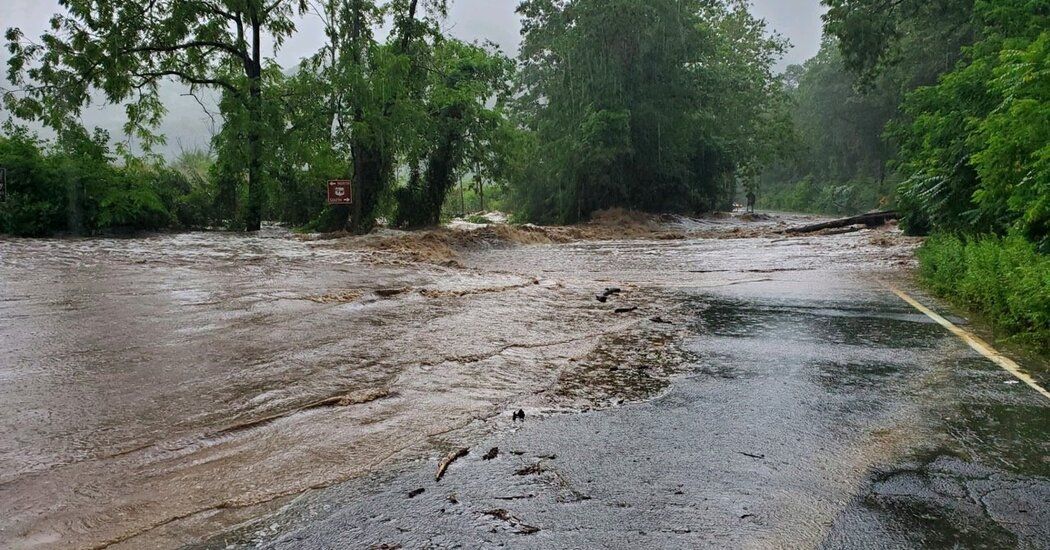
(156, 391)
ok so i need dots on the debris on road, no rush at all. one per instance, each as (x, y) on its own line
(448, 460)
(755, 456)
(520, 415)
(530, 470)
(871, 219)
(521, 527)
(492, 454)
(416, 493)
(337, 297)
(660, 321)
(627, 309)
(391, 292)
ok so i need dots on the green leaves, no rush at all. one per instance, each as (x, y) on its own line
(1005, 279)
(974, 148)
(652, 105)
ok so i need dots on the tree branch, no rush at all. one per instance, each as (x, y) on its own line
(159, 48)
(191, 79)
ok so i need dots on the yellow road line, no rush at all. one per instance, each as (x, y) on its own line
(976, 343)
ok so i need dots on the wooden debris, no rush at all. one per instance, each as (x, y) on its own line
(492, 454)
(627, 309)
(530, 470)
(871, 219)
(416, 493)
(391, 292)
(521, 527)
(448, 460)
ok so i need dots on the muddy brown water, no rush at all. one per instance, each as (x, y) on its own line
(156, 390)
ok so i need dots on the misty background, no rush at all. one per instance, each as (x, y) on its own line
(187, 126)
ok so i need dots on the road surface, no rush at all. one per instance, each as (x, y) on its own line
(210, 390)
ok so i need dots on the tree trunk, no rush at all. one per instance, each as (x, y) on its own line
(462, 200)
(871, 219)
(256, 193)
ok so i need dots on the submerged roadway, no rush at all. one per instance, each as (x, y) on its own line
(739, 390)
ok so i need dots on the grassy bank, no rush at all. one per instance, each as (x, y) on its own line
(1006, 280)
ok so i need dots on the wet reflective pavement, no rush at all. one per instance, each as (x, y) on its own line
(812, 414)
(766, 393)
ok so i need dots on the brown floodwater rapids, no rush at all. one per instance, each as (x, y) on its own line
(156, 390)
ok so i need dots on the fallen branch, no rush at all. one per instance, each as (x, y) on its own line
(522, 527)
(871, 219)
(448, 460)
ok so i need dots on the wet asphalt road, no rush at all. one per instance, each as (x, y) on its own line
(226, 390)
(814, 410)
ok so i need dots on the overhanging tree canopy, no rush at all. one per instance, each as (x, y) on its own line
(125, 48)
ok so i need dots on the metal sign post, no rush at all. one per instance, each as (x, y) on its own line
(340, 192)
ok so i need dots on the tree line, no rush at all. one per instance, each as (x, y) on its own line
(937, 107)
(655, 105)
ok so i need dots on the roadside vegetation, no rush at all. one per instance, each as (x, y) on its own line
(938, 109)
(76, 186)
(1005, 279)
(663, 114)
(942, 111)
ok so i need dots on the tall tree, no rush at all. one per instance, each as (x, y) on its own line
(125, 48)
(374, 91)
(463, 100)
(653, 104)
(924, 36)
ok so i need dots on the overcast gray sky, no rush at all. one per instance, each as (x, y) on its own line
(186, 125)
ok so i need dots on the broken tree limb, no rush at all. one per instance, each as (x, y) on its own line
(448, 460)
(871, 219)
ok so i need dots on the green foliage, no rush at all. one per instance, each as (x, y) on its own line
(653, 105)
(837, 164)
(1012, 144)
(974, 146)
(124, 48)
(33, 206)
(845, 98)
(473, 196)
(808, 195)
(921, 37)
(1005, 279)
(75, 185)
(462, 130)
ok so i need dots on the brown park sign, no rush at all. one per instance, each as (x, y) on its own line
(340, 192)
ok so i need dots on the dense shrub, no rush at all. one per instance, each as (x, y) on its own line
(33, 206)
(1005, 279)
(809, 195)
(76, 186)
(974, 147)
